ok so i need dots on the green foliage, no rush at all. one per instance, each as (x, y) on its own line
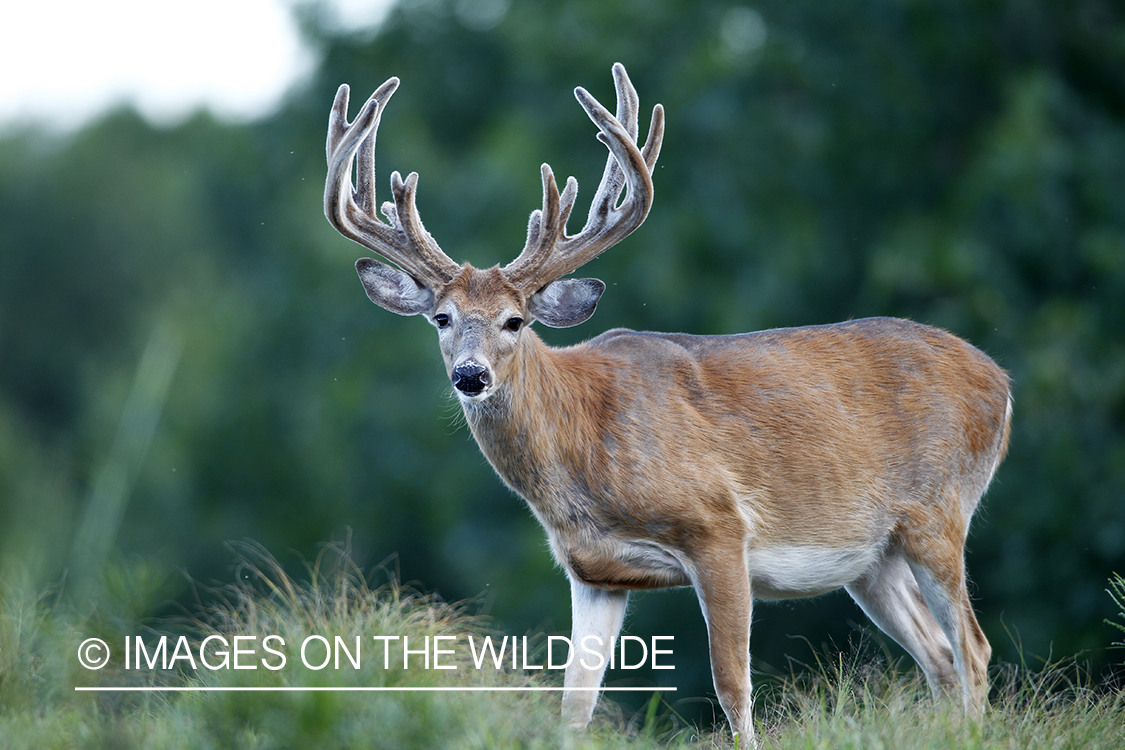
(959, 164)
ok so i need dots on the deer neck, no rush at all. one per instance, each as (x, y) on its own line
(540, 430)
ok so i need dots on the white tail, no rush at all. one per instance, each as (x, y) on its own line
(776, 464)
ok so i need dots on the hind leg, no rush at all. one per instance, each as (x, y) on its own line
(934, 547)
(947, 597)
(890, 596)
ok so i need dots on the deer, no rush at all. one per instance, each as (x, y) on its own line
(768, 465)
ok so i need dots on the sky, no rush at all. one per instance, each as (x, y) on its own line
(65, 62)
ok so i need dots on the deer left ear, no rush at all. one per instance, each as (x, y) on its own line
(566, 302)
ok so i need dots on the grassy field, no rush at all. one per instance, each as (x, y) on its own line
(846, 702)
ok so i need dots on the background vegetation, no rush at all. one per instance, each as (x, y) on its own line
(186, 356)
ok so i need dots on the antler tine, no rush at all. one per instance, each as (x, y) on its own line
(544, 226)
(628, 105)
(549, 252)
(345, 138)
(404, 241)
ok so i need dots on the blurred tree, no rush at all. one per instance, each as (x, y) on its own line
(957, 163)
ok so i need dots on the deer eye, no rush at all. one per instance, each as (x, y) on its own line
(441, 320)
(513, 324)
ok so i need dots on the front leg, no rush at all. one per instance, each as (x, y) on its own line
(723, 586)
(596, 617)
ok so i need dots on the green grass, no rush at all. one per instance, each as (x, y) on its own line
(848, 703)
(868, 706)
(1116, 592)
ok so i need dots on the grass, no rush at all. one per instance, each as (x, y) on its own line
(1116, 592)
(846, 703)
(865, 705)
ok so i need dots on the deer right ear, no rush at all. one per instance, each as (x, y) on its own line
(392, 289)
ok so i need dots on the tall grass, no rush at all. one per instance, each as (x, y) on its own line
(868, 705)
(852, 702)
(1116, 592)
(39, 707)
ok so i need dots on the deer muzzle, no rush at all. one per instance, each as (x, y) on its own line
(471, 378)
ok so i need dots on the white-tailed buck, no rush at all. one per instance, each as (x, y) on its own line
(776, 464)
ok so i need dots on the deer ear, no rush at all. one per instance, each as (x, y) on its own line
(392, 289)
(566, 302)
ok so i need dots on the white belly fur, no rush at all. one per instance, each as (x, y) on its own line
(792, 572)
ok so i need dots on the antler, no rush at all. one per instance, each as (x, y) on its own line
(549, 252)
(352, 211)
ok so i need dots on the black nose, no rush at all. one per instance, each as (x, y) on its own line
(470, 378)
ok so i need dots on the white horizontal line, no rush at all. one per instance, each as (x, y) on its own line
(161, 689)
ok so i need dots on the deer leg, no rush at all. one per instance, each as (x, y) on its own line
(948, 599)
(723, 587)
(890, 596)
(596, 618)
(981, 650)
(936, 555)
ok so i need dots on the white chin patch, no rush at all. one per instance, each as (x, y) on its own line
(471, 398)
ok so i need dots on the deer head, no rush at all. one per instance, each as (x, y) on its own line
(482, 315)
